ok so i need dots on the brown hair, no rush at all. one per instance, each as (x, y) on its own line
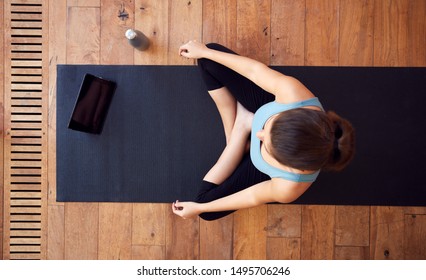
(308, 139)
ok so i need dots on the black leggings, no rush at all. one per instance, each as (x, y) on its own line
(252, 97)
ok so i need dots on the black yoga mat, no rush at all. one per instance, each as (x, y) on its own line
(162, 133)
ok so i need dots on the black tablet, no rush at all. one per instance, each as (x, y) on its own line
(92, 104)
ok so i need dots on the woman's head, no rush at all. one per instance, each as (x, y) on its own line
(308, 139)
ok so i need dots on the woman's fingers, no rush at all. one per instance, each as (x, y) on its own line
(192, 49)
(185, 209)
(183, 50)
(177, 206)
(177, 209)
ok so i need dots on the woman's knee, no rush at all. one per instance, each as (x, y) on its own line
(208, 192)
(204, 193)
(214, 215)
(214, 46)
(208, 216)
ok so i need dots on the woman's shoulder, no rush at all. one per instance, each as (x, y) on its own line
(288, 191)
(292, 90)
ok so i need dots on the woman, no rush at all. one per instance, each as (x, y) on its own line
(291, 137)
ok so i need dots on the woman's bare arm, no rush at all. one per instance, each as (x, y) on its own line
(275, 190)
(285, 88)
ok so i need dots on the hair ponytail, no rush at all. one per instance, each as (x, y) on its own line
(344, 143)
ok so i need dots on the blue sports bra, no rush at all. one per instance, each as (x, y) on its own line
(259, 120)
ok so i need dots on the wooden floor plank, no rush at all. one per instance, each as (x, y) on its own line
(352, 225)
(57, 55)
(27, 8)
(182, 237)
(415, 210)
(322, 33)
(283, 248)
(114, 46)
(115, 231)
(83, 47)
(152, 19)
(148, 224)
(351, 253)
(144, 252)
(356, 33)
(6, 139)
(185, 23)
(56, 232)
(1, 125)
(415, 237)
(220, 22)
(36, 2)
(287, 32)
(81, 231)
(216, 239)
(250, 233)
(387, 233)
(390, 33)
(84, 3)
(44, 129)
(317, 237)
(25, 256)
(417, 33)
(253, 29)
(284, 220)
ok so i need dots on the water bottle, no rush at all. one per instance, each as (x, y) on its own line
(137, 39)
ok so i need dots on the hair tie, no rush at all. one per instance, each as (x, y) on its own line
(337, 134)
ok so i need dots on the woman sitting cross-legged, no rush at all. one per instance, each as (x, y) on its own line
(278, 135)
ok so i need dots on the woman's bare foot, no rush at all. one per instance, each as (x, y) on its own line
(244, 118)
(244, 121)
(236, 148)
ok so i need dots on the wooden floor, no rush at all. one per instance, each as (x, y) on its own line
(278, 32)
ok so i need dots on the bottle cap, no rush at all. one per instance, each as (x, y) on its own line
(130, 34)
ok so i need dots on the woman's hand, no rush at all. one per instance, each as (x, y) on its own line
(193, 49)
(186, 209)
